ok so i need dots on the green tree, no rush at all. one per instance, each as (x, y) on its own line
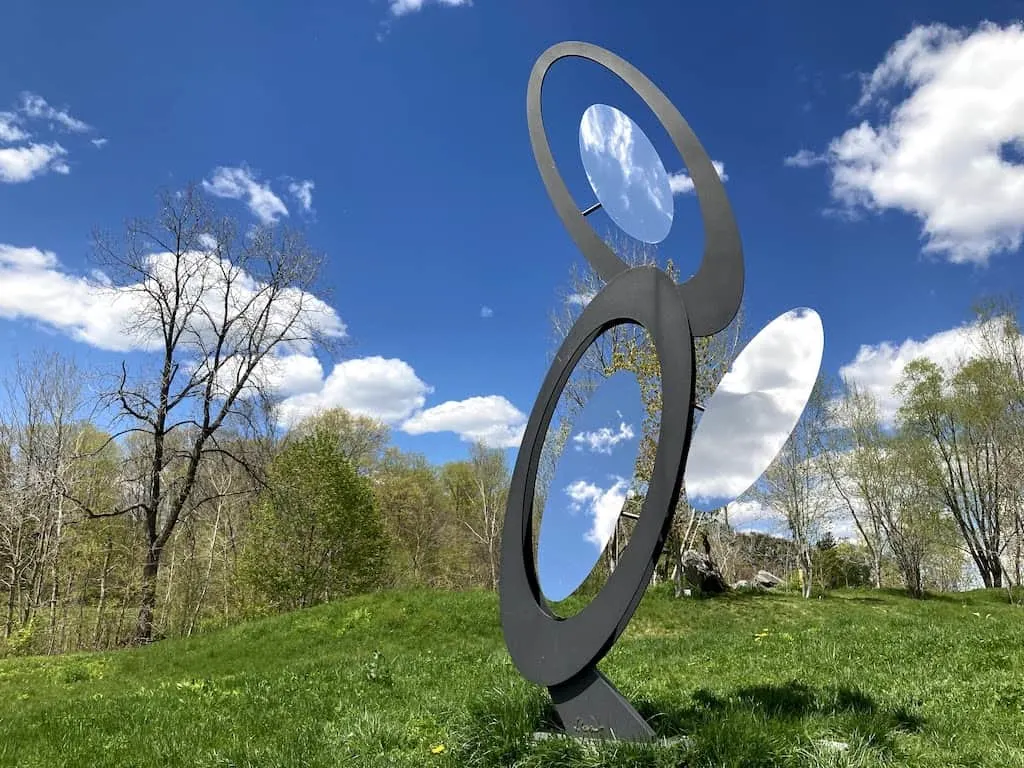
(960, 421)
(316, 534)
(411, 500)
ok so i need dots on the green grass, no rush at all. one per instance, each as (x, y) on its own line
(385, 680)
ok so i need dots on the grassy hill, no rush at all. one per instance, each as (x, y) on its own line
(423, 679)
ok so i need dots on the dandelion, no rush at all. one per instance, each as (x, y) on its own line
(437, 750)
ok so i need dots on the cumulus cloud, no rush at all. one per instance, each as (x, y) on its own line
(950, 106)
(383, 388)
(303, 192)
(35, 107)
(241, 184)
(681, 184)
(24, 163)
(94, 311)
(492, 420)
(877, 368)
(754, 409)
(603, 505)
(36, 288)
(604, 439)
(10, 128)
(403, 7)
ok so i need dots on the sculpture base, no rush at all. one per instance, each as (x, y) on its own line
(590, 707)
(544, 736)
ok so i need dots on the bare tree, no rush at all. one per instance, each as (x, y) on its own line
(218, 309)
(796, 485)
(45, 399)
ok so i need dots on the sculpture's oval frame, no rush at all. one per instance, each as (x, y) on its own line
(546, 648)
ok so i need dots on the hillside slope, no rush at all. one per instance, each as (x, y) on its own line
(422, 678)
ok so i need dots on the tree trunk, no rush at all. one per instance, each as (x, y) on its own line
(209, 570)
(103, 596)
(147, 601)
(9, 628)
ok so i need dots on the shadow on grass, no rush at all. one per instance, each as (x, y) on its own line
(760, 725)
(790, 701)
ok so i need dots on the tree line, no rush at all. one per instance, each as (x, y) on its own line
(164, 497)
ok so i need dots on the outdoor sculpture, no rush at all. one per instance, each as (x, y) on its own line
(562, 653)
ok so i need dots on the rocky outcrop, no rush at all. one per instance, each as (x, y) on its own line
(701, 572)
(767, 580)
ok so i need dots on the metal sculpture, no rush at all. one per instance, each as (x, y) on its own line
(562, 653)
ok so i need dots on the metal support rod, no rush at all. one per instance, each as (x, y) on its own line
(631, 515)
(699, 407)
(591, 209)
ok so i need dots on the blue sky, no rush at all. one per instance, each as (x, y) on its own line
(860, 145)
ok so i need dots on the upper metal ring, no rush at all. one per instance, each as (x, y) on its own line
(713, 295)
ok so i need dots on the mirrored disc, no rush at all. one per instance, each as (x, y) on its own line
(754, 409)
(626, 173)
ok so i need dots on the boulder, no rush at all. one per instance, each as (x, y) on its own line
(750, 585)
(767, 580)
(701, 572)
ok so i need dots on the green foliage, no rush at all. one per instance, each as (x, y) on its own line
(317, 534)
(840, 565)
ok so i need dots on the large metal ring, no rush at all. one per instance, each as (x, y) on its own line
(547, 649)
(712, 296)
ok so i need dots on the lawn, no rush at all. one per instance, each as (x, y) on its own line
(422, 678)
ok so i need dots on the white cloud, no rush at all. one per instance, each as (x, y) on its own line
(681, 184)
(20, 164)
(402, 7)
(580, 299)
(949, 103)
(383, 388)
(98, 143)
(35, 107)
(10, 129)
(604, 505)
(240, 184)
(303, 192)
(486, 312)
(604, 439)
(492, 420)
(751, 515)
(877, 368)
(805, 158)
(34, 286)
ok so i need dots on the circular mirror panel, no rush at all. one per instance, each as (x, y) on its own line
(585, 480)
(754, 409)
(626, 173)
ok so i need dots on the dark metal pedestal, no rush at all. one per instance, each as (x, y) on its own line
(590, 706)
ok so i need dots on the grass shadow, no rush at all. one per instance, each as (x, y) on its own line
(756, 725)
(786, 711)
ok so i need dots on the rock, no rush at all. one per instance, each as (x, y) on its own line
(702, 573)
(767, 580)
(750, 585)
